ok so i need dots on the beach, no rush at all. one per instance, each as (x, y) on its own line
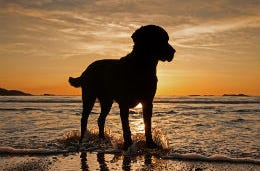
(99, 161)
(193, 132)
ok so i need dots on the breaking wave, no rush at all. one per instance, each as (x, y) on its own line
(213, 158)
(177, 100)
(113, 145)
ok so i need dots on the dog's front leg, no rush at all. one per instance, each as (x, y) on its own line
(124, 115)
(147, 115)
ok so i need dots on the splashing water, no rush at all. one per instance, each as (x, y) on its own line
(160, 138)
(110, 143)
(114, 145)
(139, 144)
(70, 140)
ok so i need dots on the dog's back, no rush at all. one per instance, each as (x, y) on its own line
(124, 79)
(94, 73)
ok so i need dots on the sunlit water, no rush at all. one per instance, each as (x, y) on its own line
(204, 125)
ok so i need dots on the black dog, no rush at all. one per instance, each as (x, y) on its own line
(128, 81)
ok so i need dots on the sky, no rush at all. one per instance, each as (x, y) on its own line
(44, 42)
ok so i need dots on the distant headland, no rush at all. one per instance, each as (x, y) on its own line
(240, 95)
(5, 92)
(236, 95)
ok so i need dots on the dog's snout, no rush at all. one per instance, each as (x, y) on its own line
(172, 49)
(171, 53)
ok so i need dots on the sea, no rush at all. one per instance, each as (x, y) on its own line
(202, 125)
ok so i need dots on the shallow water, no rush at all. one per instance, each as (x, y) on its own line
(204, 125)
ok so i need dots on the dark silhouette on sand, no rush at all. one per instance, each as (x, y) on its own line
(126, 163)
(128, 81)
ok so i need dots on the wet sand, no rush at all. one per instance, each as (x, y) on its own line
(101, 161)
(106, 154)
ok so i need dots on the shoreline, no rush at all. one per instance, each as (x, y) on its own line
(104, 161)
(133, 151)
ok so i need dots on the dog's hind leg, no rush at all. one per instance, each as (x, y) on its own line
(88, 100)
(105, 108)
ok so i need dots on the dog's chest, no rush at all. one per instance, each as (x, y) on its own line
(138, 84)
(130, 81)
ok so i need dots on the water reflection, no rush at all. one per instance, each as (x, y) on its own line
(145, 162)
(136, 120)
(101, 161)
(84, 164)
(137, 125)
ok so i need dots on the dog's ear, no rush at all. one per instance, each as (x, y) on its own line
(149, 34)
(137, 35)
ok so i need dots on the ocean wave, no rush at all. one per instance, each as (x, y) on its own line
(162, 113)
(171, 112)
(15, 151)
(113, 145)
(174, 100)
(47, 110)
(155, 101)
(247, 111)
(195, 107)
(39, 101)
(172, 156)
(213, 158)
(23, 109)
(208, 102)
(234, 121)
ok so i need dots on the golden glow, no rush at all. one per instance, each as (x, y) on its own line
(136, 122)
(139, 106)
(217, 48)
(137, 125)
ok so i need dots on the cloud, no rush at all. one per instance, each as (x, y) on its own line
(220, 26)
(216, 35)
(108, 24)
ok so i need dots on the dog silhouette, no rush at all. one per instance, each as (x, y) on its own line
(128, 81)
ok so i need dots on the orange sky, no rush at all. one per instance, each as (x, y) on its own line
(42, 42)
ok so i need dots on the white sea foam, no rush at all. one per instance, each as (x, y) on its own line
(113, 145)
(213, 158)
(18, 151)
(132, 151)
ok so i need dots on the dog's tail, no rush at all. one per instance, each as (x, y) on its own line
(75, 82)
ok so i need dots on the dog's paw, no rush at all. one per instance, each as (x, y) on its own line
(126, 145)
(101, 136)
(132, 149)
(151, 144)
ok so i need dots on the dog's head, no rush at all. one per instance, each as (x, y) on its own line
(153, 41)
